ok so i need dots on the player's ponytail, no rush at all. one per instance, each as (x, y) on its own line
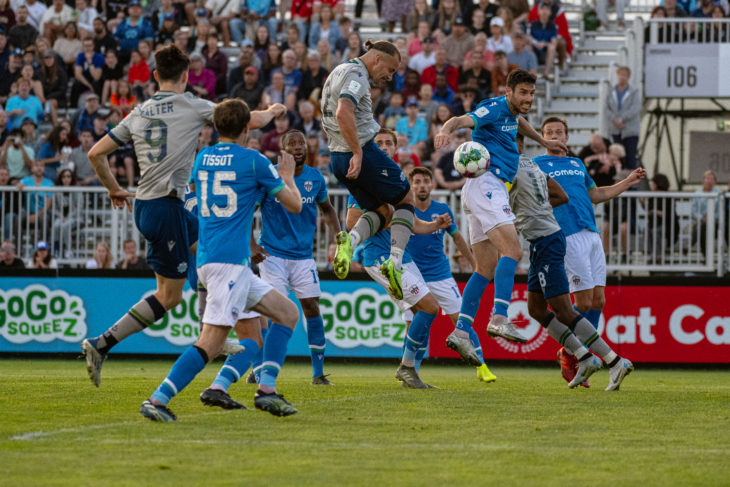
(384, 47)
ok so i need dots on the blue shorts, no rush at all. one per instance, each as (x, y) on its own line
(381, 180)
(170, 230)
(547, 266)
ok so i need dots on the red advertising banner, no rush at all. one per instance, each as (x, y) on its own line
(681, 324)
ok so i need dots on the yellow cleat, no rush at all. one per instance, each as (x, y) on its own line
(484, 374)
(393, 275)
(343, 256)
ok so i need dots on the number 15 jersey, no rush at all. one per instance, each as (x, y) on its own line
(164, 130)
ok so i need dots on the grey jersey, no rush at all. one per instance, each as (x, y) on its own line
(164, 130)
(349, 80)
(530, 202)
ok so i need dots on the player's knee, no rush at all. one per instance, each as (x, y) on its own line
(289, 315)
(565, 316)
(537, 312)
(168, 301)
(429, 305)
(599, 301)
(310, 307)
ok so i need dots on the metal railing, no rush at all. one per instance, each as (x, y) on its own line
(688, 30)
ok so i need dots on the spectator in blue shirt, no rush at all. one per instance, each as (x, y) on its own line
(544, 38)
(292, 75)
(253, 14)
(37, 203)
(442, 93)
(23, 105)
(88, 70)
(88, 114)
(132, 30)
(413, 127)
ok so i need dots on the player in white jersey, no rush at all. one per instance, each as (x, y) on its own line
(164, 131)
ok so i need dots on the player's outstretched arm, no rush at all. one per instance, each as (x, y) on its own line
(422, 227)
(605, 193)
(553, 146)
(556, 193)
(463, 247)
(261, 118)
(443, 138)
(345, 116)
(97, 156)
(289, 196)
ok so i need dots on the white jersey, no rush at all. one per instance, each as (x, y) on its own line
(349, 80)
(164, 130)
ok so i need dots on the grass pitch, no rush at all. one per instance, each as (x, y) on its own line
(663, 428)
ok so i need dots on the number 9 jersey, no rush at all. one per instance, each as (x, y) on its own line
(164, 130)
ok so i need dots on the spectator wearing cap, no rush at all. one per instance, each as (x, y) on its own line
(22, 34)
(88, 70)
(441, 66)
(474, 70)
(9, 73)
(23, 105)
(85, 16)
(414, 127)
(16, 156)
(42, 258)
(55, 19)
(425, 58)
(103, 40)
(498, 41)
(522, 57)
(458, 43)
(131, 30)
(255, 13)
(200, 78)
(249, 90)
(85, 117)
(313, 76)
(502, 68)
(8, 258)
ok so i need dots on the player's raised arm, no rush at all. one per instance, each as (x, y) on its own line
(98, 158)
(443, 138)
(422, 227)
(553, 146)
(289, 196)
(556, 193)
(261, 118)
(605, 193)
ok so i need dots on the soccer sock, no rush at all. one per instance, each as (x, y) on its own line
(504, 281)
(421, 353)
(587, 334)
(473, 291)
(139, 317)
(474, 338)
(275, 344)
(236, 365)
(184, 370)
(417, 336)
(259, 358)
(401, 230)
(594, 316)
(315, 337)
(565, 337)
(367, 226)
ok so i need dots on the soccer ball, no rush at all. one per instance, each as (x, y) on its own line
(471, 159)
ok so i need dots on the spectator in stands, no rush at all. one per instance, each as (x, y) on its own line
(442, 93)
(56, 19)
(601, 11)
(28, 73)
(458, 43)
(465, 101)
(221, 12)
(394, 10)
(307, 124)
(480, 46)
(166, 33)
(442, 114)
(421, 12)
(673, 10)
(8, 259)
(718, 31)
(100, 129)
(313, 77)
(703, 10)
(4, 130)
(207, 137)
(123, 98)
(662, 223)
(474, 70)
(597, 145)
(498, 41)
(261, 42)
(489, 9)
(139, 76)
(22, 34)
(85, 118)
(545, 40)
(85, 15)
(502, 68)
(354, 48)
(52, 151)
(479, 22)
(623, 108)
(112, 75)
(131, 260)
(102, 257)
(445, 175)
(55, 83)
(16, 156)
(415, 128)
(292, 36)
(30, 135)
(85, 174)
(88, 69)
(441, 66)
(66, 212)
(4, 47)
(292, 75)
(325, 54)
(36, 204)
(345, 25)
(200, 78)
(7, 15)
(272, 61)
(36, 10)
(133, 29)
(9, 73)
(522, 57)
(245, 59)
(270, 145)
(604, 166)
(415, 42)
(249, 90)
(699, 210)
(252, 15)
(426, 106)
(42, 257)
(278, 92)
(216, 61)
(326, 28)
(103, 40)
(445, 16)
(557, 17)
(394, 111)
(68, 45)
(23, 105)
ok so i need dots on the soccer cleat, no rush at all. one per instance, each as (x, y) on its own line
(322, 380)
(586, 368)
(568, 365)
(500, 326)
(484, 374)
(618, 372)
(231, 347)
(273, 403)
(464, 347)
(393, 275)
(94, 359)
(409, 377)
(343, 255)
(251, 378)
(216, 397)
(587, 384)
(157, 413)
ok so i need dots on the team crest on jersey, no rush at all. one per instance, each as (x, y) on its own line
(489, 195)
(481, 111)
(507, 210)
(414, 290)
(182, 267)
(576, 280)
(308, 186)
(574, 163)
(402, 176)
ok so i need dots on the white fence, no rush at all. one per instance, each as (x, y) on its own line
(688, 30)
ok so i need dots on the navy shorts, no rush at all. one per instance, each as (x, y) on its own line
(170, 230)
(547, 266)
(381, 180)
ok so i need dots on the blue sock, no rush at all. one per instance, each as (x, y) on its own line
(421, 353)
(474, 339)
(473, 291)
(236, 365)
(417, 336)
(594, 316)
(182, 373)
(315, 337)
(275, 344)
(504, 281)
(259, 358)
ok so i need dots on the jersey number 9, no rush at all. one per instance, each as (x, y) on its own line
(159, 142)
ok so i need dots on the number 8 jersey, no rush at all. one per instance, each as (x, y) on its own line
(164, 130)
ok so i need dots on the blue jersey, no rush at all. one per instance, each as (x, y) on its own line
(285, 234)
(428, 250)
(496, 129)
(570, 173)
(229, 180)
(376, 249)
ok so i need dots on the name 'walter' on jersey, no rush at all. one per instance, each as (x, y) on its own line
(350, 80)
(229, 180)
(164, 130)
(495, 127)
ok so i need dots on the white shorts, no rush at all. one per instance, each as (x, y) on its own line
(233, 290)
(414, 287)
(447, 295)
(298, 275)
(585, 262)
(485, 200)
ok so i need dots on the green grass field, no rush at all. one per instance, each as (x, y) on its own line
(665, 427)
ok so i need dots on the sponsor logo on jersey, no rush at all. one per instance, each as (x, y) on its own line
(482, 111)
(170, 245)
(384, 172)
(354, 86)
(308, 186)
(565, 172)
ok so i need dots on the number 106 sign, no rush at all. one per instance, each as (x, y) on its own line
(687, 71)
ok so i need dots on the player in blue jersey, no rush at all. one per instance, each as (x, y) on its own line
(585, 261)
(228, 180)
(429, 255)
(485, 200)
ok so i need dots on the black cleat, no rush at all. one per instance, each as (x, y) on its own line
(216, 397)
(322, 380)
(273, 403)
(156, 412)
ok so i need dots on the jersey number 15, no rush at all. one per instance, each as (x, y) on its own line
(218, 190)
